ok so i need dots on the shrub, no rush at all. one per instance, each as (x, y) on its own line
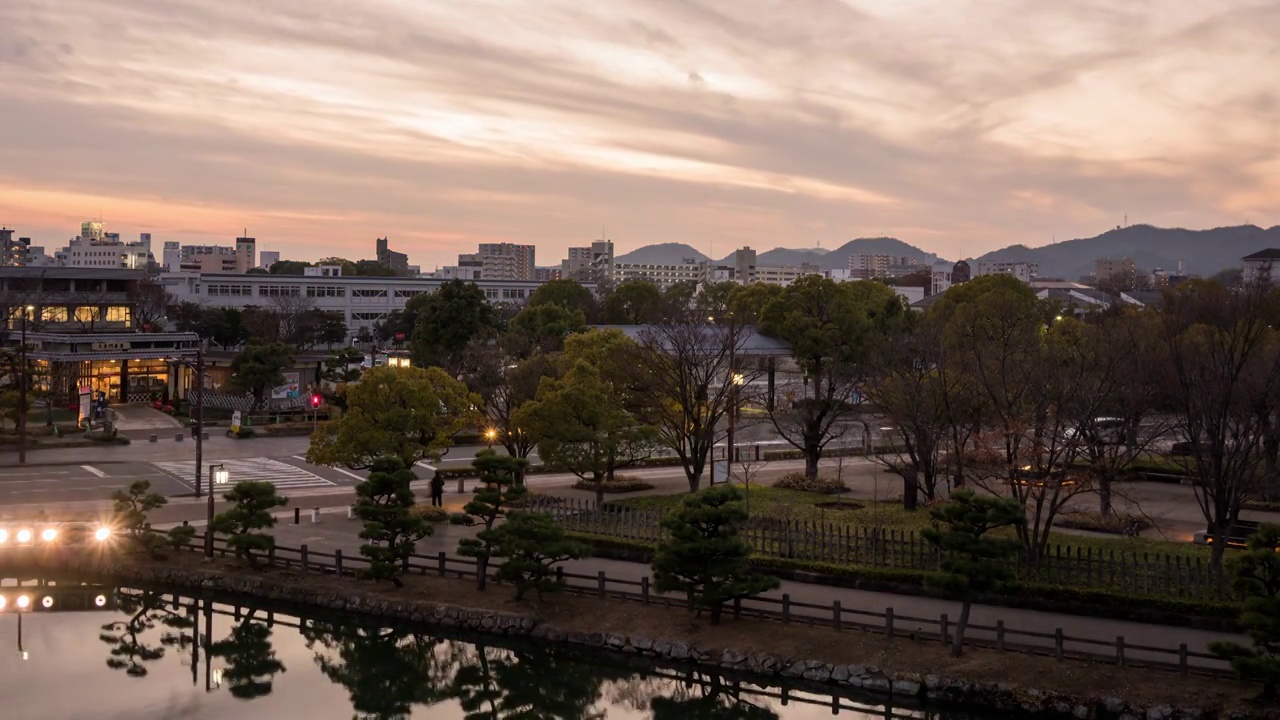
(431, 513)
(244, 432)
(1096, 522)
(821, 484)
(620, 484)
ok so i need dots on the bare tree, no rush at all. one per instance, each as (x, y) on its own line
(504, 386)
(1036, 387)
(1224, 371)
(299, 323)
(149, 304)
(690, 379)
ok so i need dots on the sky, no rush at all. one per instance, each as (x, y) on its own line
(958, 126)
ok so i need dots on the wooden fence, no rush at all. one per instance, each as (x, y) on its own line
(783, 609)
(1145, 574)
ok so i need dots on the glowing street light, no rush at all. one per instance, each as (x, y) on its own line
(24, 536)
(490, 435)
(102, 534)
(218, 475)
(49, 534)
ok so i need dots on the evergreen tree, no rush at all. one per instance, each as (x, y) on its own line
(496, 493)
(251, 661)
(385, 671)
(384, 503)
(704, 556)
(130, 648)
(533, 544)
(972, 561)
(252, 503)
(1258, 578)
(129, 515)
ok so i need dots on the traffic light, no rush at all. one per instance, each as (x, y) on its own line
(315, 401)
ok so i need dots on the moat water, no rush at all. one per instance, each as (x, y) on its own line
(87, 652)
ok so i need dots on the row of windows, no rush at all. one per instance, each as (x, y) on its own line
(81, 314)
(238, 290)
(279, 291)
(368, 316)
(369, 292)
(326, 291)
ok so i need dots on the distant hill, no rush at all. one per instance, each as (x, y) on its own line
(660, 254)
(675, 253)
(1203, 252)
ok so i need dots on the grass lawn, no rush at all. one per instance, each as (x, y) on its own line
(804, 507)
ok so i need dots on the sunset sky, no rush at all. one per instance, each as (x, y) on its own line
(956, 126)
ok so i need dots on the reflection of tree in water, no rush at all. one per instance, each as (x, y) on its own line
(504, 685)
(251, 660)
(129, 648)
(386, 671)
(699, 697)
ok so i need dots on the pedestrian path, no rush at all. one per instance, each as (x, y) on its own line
(280, 474)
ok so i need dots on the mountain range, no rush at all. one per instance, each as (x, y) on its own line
(1201, 252)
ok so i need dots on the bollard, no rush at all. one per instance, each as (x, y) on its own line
(297, 515)
(315, 516)
(351, 511)
(461, 489)
(153, 438)
(178, 437)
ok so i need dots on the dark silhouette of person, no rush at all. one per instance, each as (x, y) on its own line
(437, 491)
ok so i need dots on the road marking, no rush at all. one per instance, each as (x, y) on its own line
(21, 474)
(344, 472)
(28, 482)
(74, 489)
(94, 470)
(280, 474)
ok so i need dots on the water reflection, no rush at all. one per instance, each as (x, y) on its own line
(244, 663)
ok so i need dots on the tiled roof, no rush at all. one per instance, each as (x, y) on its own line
(72, 338)
(754, 344)
(1268, 254)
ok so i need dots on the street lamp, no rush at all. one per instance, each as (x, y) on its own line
(490, 435)
(22, 387)
(218, 475)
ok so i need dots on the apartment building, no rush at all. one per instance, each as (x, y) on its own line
(13, 252)
(1024, 271)
(664, 276)
(869, 266)
(505, 261)
(591, 263)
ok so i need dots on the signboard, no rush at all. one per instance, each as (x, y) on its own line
(86, 404)
(111, 346)
(291, 388)
(235, 421)
(720, 471)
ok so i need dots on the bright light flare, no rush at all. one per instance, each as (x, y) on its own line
(24, 536)
(3, 602)
(48, 534)
(100, 601)
(24, 602)
(4, 536)
(47, 601)
(102, 534)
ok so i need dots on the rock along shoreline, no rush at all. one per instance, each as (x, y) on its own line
(905, 688)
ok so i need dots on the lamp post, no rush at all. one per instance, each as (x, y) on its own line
(22, 388)
(489, 435)
(199, 413)
(218, 475)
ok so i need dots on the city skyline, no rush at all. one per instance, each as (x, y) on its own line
(956, 127)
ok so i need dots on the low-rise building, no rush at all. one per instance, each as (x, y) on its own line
(1024, 271)
(362, 301)
(1259, 265)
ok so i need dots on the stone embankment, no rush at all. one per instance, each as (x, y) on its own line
(902, 687)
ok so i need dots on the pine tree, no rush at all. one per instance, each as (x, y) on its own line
(705, 557)
(972, 562)
(496, 493)
(252, 503)
(384, 503)
(1258, 578)
(251, 661)
(533, 544)
(129, 515)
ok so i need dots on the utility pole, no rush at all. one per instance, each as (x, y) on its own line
(198, 409)
(22, 390)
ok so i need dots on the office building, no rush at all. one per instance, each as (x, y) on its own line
(591, 263)
(397, 261)
(269, 258)
(96, 248)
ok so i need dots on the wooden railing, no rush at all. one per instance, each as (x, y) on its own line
(1054, 644)
(1135, 573)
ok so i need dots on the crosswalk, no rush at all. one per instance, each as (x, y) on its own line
(283, 475)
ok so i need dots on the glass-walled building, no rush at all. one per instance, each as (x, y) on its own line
(84, 328)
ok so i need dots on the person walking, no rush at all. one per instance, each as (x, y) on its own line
(437, 491)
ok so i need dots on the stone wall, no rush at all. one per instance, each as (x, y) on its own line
(905, 688)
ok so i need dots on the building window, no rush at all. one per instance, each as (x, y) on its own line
(369, 293)
(325, 291)
(53, 314)
(408, 293)
(87, 313)
(512, 293)
(279, 291)
(368, 316)
(229, 290)
(119, 314)
(491, 293)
